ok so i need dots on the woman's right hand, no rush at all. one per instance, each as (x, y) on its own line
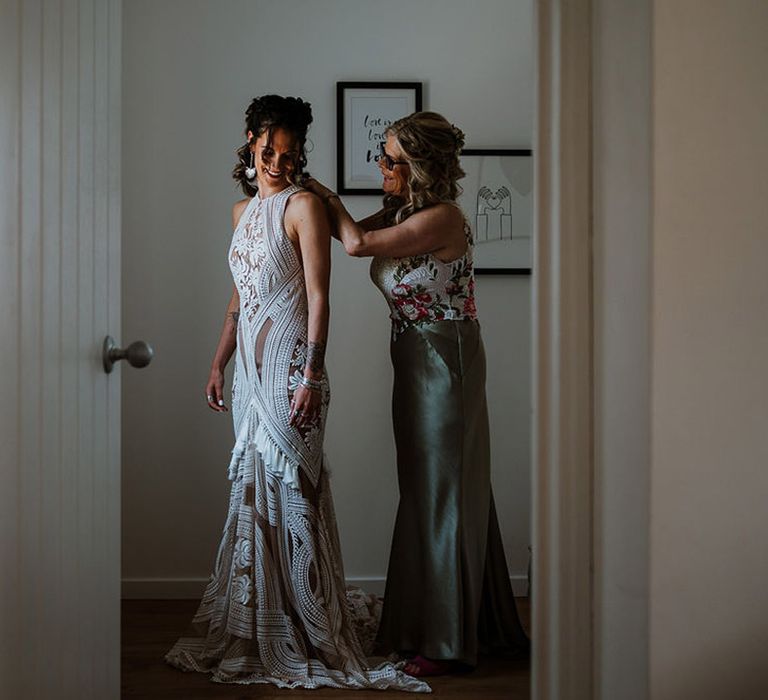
(214, 391)
(317, 188)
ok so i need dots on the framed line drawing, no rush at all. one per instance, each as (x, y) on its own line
(363, 112)
(498, 203)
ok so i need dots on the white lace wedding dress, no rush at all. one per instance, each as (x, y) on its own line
(276, 610)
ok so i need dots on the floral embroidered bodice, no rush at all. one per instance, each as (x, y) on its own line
(422, 289)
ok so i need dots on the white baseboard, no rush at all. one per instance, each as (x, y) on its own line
(192, 588)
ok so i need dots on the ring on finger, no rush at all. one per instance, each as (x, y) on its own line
(209, 397)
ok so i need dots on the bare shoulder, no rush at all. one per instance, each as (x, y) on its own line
(446, 216)
(304, 200)
(442, 226)
(237, 211)
(450, 213)
(304, 205)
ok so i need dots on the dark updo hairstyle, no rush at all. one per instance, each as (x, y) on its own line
(267, 113)
(432, 146)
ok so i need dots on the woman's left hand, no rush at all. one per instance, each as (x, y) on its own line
(305, 407)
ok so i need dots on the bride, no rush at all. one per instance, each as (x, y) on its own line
(275, 610)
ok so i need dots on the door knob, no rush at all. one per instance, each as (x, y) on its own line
(138, 354)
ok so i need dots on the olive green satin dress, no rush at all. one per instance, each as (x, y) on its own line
(448, 594)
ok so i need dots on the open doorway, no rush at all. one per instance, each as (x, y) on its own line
(183, 97)
(66, 223)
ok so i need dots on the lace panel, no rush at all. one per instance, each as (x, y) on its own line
(275, 609)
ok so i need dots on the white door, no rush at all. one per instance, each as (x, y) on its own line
(59, 298)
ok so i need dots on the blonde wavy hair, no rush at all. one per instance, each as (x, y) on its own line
(431, 145)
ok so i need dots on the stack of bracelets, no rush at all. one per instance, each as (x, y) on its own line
(311, 384)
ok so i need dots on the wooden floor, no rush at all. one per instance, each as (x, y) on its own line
(150, 627)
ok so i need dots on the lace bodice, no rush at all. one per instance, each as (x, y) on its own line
(422, 289)
(271, 341)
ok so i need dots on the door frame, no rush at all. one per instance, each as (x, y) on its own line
(592, 323)
(563, 472)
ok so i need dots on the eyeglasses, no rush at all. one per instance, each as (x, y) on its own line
(389, 162)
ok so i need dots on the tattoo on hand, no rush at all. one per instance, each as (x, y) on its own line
(316, 357)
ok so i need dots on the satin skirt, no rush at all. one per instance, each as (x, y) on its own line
(448, 594)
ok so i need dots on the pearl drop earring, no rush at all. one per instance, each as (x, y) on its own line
(250, 173)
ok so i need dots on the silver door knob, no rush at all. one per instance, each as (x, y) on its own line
(138, 354)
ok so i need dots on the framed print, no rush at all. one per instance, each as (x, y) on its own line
(498, 202)
(363, 112)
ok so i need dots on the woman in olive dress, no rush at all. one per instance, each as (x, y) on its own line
(448, 594)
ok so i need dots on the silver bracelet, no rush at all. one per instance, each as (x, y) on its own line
(311, 384)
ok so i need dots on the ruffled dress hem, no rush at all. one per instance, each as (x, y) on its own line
(382, 677)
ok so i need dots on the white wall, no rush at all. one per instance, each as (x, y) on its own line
(709, 478)
(190, 69)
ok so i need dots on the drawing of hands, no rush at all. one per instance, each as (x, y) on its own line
(500, 203)
(482, 199)
(505, 197)
(501, 198)
(481, 218)
(506, 207)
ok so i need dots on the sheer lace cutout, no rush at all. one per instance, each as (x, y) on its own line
(261, 341)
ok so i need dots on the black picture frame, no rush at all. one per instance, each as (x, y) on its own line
(357, 141)
(499, 181)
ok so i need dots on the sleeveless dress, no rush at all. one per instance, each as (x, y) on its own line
(446, 534)
(276, 610)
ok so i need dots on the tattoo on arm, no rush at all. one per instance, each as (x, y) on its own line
(235, 316)
(316, 357)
